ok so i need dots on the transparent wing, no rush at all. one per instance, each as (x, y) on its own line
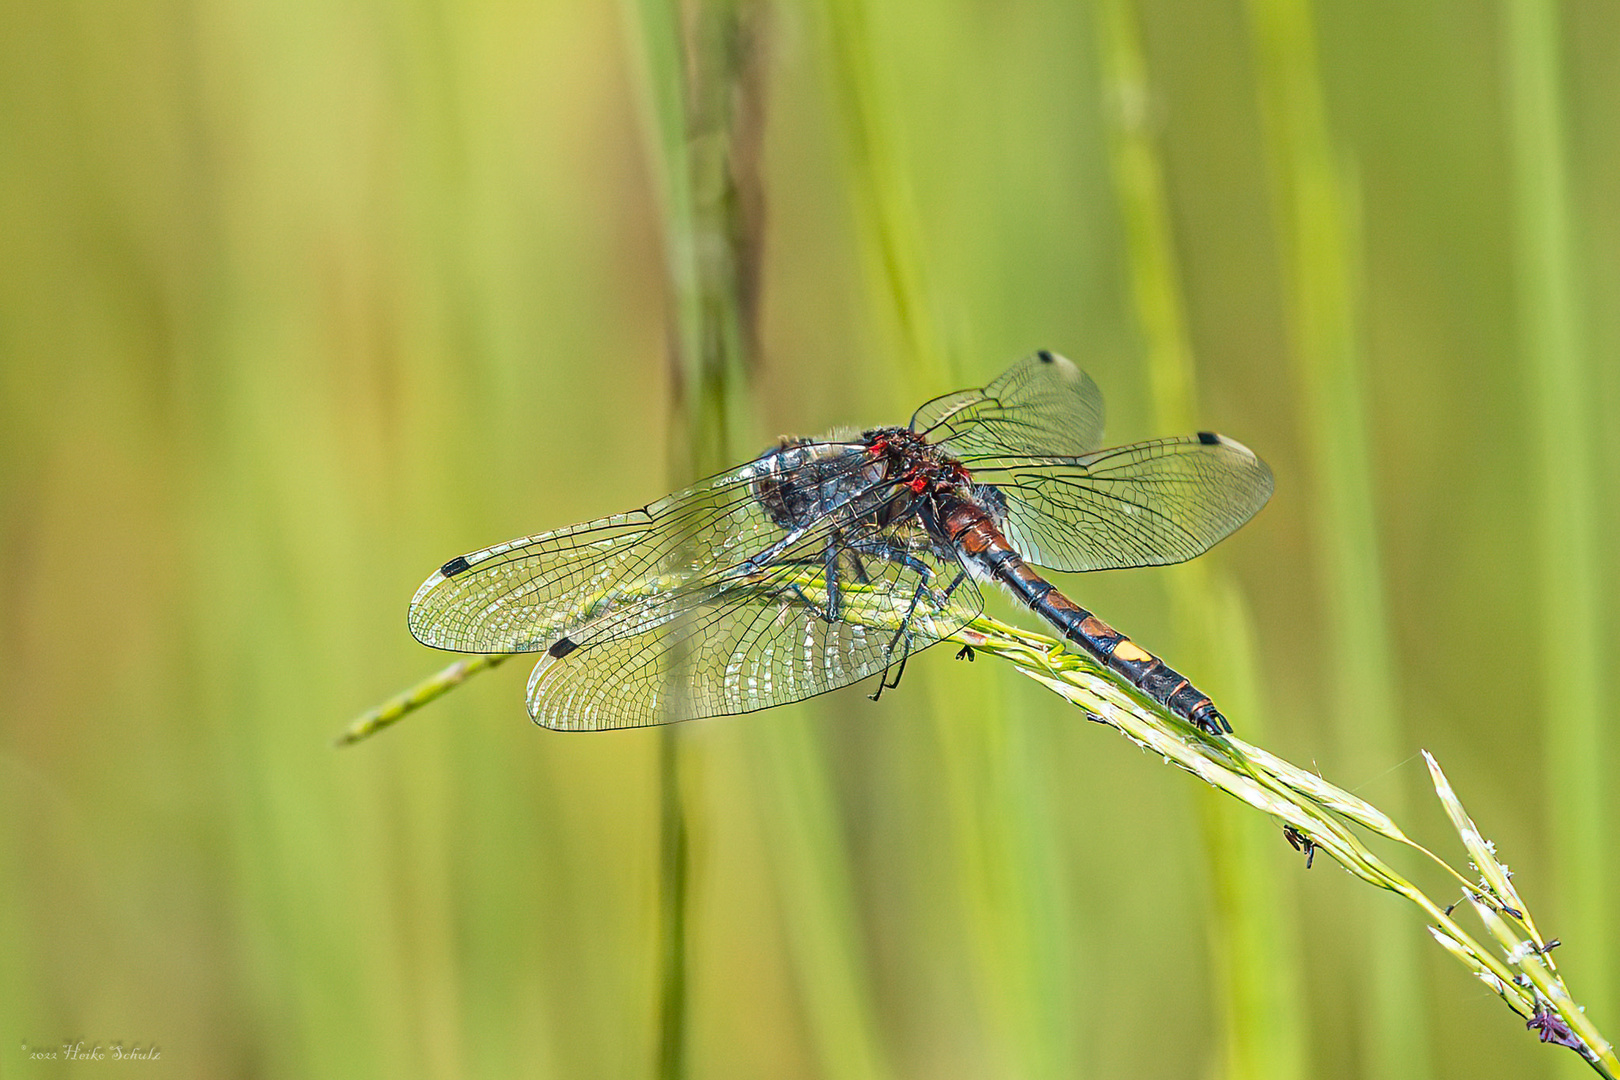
(524, 595)
(781, 636)
(1043, 404)
(1148, 504)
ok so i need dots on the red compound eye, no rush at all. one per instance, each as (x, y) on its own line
(918, 484)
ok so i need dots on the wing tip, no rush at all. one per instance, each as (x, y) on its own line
(422, 631)
(416, 620)
(571, 708)
(1215, 438)
(1048, 358)
(434, 580)
(1268, 482)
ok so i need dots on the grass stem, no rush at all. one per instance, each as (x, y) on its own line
(1323, 814)
(402, 705)
(1312, 809)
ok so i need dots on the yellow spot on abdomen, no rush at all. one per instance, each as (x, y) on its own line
(1132, 652)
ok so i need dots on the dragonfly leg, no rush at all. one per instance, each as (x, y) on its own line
(761, 560)
(799, 596)
(903, 632)
(835, 598)
(898, 556)
(832, 610)
(883, 683)
(945, 598)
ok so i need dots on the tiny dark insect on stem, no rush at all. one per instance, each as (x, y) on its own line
(1300, 842)
(1552, 1028)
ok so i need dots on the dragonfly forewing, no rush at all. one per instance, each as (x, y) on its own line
(521, 596)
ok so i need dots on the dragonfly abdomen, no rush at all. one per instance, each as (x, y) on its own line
(983, 543)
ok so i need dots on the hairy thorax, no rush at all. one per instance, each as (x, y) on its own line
(890, 473)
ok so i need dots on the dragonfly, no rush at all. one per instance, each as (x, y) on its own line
(825, 562)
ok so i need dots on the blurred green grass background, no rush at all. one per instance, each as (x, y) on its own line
(298, 300)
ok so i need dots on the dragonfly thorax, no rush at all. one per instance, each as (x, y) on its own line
(909, 458)
(883, 471)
